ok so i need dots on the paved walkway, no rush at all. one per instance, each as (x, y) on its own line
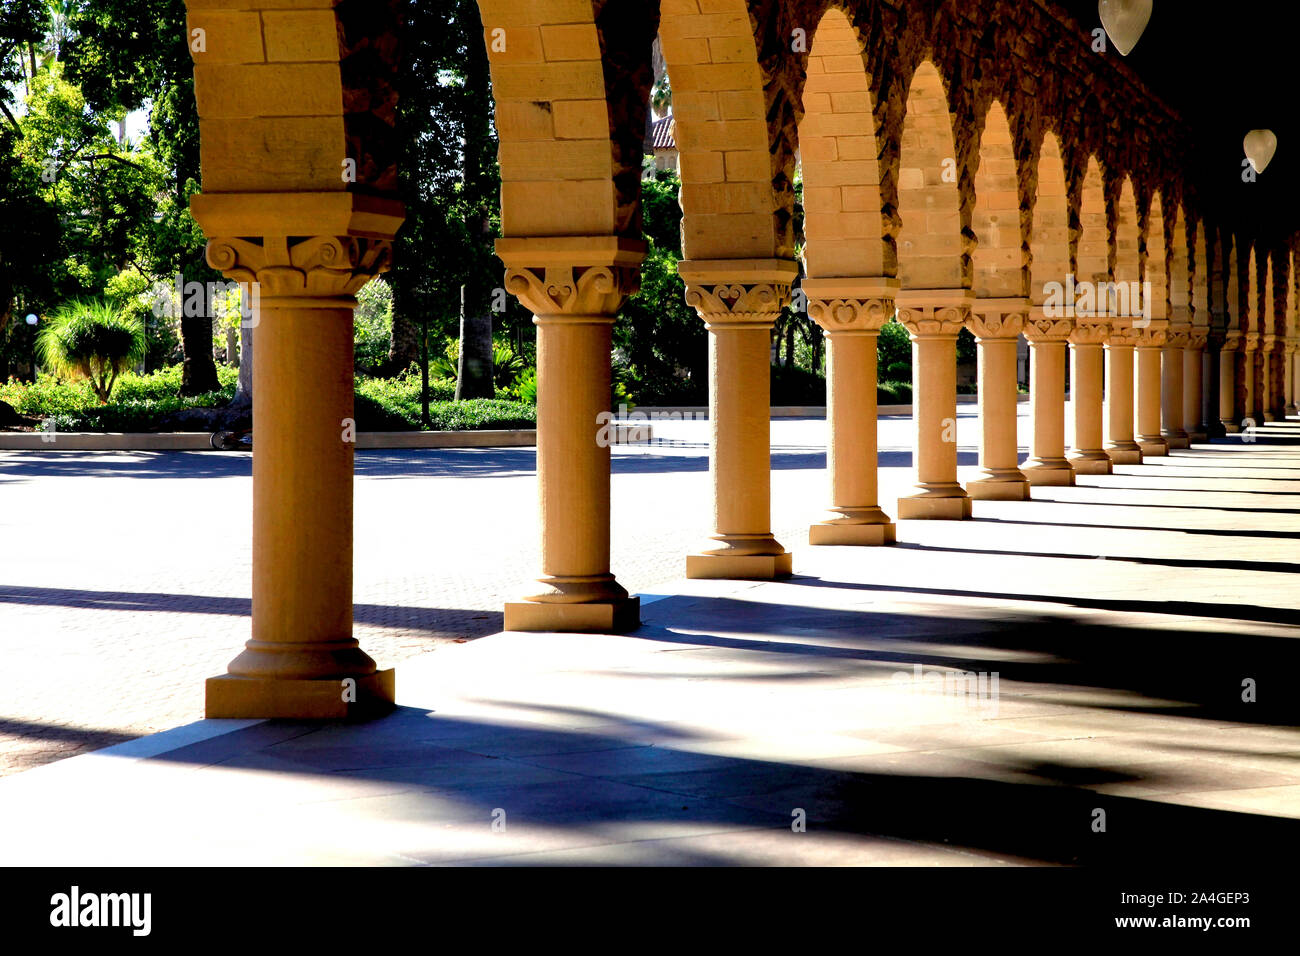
(1121, 619)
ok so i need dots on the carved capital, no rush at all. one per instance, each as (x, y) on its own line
(742, 292)
(933, 322)
(1250, 342)
(571, 275)
(1122, 336)
(1089, 333)
(316, 267)
(1197, 339)
(1292, 345)
(850, 315)
(1151, 337)
(573, 289)
(1232, 341)
(997, 320)
(1041, 328)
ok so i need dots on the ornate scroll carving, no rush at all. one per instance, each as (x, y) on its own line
(925, 322)
(851, 315)
(573, 289)
(312, 267)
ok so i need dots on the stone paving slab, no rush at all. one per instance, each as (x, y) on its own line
(1120, 619)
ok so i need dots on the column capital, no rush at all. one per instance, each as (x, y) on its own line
(1089, 333)
(1292, 344)
(1251, 341)
(328, 269)
(998, 318)
(1039, 327)
(1153, 336)
(561, 276)
(1197, 339)
(738, 293)
(316, 248)
(934, 313)
(1231, 341)
(849, 304)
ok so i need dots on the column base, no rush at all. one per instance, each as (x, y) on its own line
(1270, 416)
(1001, 488)
(742, 567)
(1153, 447)
(1196, 438)
(930, 507)
(253, 697)
(1179, 439)
(1047, 472)
(1092, 463)
(596, 617)
(1129, 453)
(1230, 428)
(845, 532)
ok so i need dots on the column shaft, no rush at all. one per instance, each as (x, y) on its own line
(1193, 385)
(1120, 446)
(1172, 404)
(739, 301)
(1047, 464)
(1228, 388)
(851, 312)
(934, 324)
(1149, 393)
(1087, 375)
(996, 335)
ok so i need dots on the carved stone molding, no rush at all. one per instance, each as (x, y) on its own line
(571, 276)
(316, 267)
(850, 315)
(1151, 337)
(739, 293)
(573, 289)
(1041, 328)
(1001, 322)
(1089, 333)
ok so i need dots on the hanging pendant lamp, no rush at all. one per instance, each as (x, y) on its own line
(1260, 146)
(1124, 21)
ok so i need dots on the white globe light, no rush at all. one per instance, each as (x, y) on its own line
(31, 318)
(1124, 21)
(1260, 146)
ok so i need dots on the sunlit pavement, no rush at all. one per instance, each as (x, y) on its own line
(1109, 633)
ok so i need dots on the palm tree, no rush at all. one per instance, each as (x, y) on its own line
(91, 339)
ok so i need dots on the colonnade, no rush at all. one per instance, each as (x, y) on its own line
(959, 187)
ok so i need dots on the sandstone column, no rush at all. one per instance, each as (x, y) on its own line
(851, 311)
(1047, 464)
(739, 300)
(997, 324)
(1248, 393)
(934, 317)
(313, 253)
(1193, 385)
(1151, 341)
(574, 287)
(1270, 394)
(1087, 374)
(1120, 342)
(1173, 385)
(1292, 359)
(1228, 354)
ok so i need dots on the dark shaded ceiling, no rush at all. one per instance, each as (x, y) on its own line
(1227, 68)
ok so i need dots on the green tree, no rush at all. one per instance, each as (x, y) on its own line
(131, 54)
(91, 339)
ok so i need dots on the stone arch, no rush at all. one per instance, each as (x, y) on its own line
(1200, 264)
(1049, 259)
(1092, 244)
(839, 155)
(736, 194)
(930, 254)
(1155, 259)
(998, 261)
(1232, 283)
(571, 89)
(1181, 268)
(1126, 248)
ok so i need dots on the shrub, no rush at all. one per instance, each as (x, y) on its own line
(91, 339)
